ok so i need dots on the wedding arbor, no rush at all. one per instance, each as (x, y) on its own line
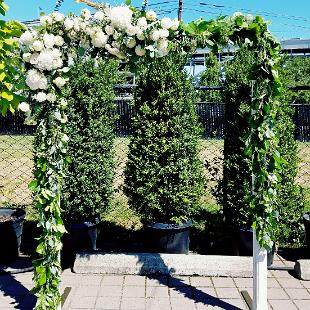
(138, 36)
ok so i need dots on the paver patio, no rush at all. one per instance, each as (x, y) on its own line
(125, 292)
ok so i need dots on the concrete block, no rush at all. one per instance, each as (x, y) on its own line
(302, 269)
(165, 264)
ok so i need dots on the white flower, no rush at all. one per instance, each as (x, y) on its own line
(112, 50)
(46, 20)
(140, 35)
(65, 138)
(175, 25)
(58, 17)
(166, 23)
(49, 59)
(99, 39)
(27, 38)
(109, 30)
(151, 16)
(121, 17)
(85, 13)
(68, 24)
(50, 97)
(99, 15)
(36, 80)
(24, 107)
(40, 97)
(131, 30)
(142, 23)
(163, 46)
(49, 40)
(60, 82)
(131, 43)
(139, 50)
(155, 35)
(38, 45)
(163, 33)
(34, 58)
(236, 14)
(59, 41)
(76, 24)
(57, 115)
(26, 57)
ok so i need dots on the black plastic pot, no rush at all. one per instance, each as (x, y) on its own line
(11, 231)
(307, 227)
(246, 245)
(80, 237)
(167, 238)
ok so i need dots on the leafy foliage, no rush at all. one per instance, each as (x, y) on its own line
(163, 173)
(88, 182)
(11, 79)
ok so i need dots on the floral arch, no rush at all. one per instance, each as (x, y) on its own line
(133, 35)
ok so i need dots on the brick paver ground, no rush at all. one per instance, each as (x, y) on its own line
(127, 292)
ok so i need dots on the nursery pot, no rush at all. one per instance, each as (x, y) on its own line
(307, 227)
(246, 245)
(11, 229)
(167, 238)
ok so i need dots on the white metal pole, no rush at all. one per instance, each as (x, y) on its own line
(259, 276)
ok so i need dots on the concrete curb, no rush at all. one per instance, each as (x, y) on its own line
(302, 269)
(165, 264)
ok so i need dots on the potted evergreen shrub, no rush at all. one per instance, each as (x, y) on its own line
(163, 175)
(88, 182)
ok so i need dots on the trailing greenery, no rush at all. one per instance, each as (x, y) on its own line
(88, 182)
(163, 176)
(11, 79)
(210, 77)
(237, 176)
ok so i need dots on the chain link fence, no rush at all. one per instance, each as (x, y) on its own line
(16, 149)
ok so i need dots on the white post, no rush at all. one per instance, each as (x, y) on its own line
(259, 276)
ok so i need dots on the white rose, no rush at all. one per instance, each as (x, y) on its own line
(163, 33)
(40, 97)
(140, 35)
(58, 17)
(131, 30)
(166, 23)
(109, 30)
(85, 13)
(155, 35)
(139, 50)
(59, 41)
(175, 25)
(151, 16)
(50, 97)
(36, 80)
(131, 43)
(46, 20)
(60, 82)
(24, 107)
(38, 46)
(49, 40)
(142, 23)
(26, 38)
(26, 57)
(99, 39)
(68, 24)
(99, 15)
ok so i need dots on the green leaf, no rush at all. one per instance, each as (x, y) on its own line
(128, 2)
(33, 185)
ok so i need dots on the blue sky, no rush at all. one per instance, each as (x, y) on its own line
(289, 19)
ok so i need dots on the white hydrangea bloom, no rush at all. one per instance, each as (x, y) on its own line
(109, 30)
(142, 23)
(40, 96)
(121, 17)
(49, 40)
(46, 20)
(37, 46)
(99, 39)
(58, 17)
(27, 38)
(59, 41)
(85, 13)
(60, 82)
(26, 57)
(151, 16)
(139, 50)
(166, 23)
(24, 107)
(36, 80)
(99, 15)
(68, 24)
(49, 59)
(50, 97)
(131, 42)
